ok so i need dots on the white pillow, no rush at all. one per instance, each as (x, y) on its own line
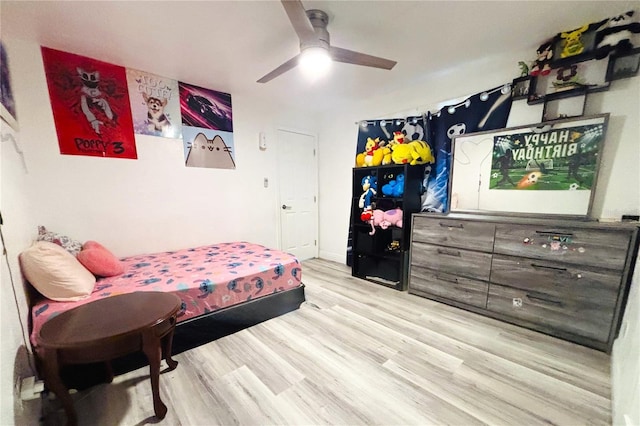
(55, 272)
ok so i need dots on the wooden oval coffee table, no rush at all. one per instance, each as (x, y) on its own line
(106, 329)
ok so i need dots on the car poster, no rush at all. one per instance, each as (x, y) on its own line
(205, 108)
(207, 127)
(155, 104)
(90, 105)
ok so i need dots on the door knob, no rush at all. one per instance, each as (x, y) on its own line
(285, 207)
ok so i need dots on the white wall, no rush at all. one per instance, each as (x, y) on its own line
(16, 215)
(155, 202)
(13, 357)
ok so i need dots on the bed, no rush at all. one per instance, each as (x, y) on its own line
(223, 288)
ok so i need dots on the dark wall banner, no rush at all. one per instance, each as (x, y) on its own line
(558, 159)
(90, 103)
(484, 111)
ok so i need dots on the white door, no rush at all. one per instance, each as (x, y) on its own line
(297, 177)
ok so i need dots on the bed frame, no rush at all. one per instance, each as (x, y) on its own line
(189, 334)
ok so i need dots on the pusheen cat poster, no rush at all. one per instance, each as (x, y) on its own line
(208, 148)
(155, 104)
(205, 108)
(90, 104)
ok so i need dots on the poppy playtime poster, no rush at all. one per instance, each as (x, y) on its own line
(90, 103)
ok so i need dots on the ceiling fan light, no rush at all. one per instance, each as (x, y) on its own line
(315, 62)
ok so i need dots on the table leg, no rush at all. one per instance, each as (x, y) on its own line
(54, 383)
(153, 351)
(167, 343)
(109, 369)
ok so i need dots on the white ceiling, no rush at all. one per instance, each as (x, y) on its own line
(228, 45)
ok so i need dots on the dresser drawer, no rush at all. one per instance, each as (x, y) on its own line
(593, 247)
(471, 264)
(559, 280)
(427, 282)
(551, 314)
(454, 233)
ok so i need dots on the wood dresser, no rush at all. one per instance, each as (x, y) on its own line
(566, 278)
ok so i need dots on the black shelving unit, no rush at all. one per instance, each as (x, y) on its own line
(383, 257)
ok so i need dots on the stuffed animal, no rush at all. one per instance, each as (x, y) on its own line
(573, 42)
(414, 152)
(398, 138)
(373, 155)
(616, 35)
(395, 187)
(393, 245)
(392, 218)
(541, 64)
(369, 186)
(386, 152)
(370, 147)
(524, 68)
(385, 219)
(366, 214)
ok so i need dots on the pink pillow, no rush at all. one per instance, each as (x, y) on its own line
(99, 260)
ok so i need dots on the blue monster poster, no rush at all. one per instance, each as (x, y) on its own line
(484, 111)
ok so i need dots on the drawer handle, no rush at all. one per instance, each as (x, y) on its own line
(444, 225)
(449, 280)
(549, 267)
(565, 234)
(449, 253)
(543, 300)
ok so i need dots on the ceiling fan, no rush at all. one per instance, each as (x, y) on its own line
(311, 27)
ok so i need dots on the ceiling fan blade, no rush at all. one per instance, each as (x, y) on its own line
(280, 70)
(299, 20)
(350, 57)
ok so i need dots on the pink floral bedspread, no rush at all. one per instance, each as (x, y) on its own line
(205, 278)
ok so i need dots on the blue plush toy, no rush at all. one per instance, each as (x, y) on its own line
(369, 186)
(395, 188)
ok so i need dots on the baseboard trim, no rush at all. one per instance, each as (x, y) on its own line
(335, 257)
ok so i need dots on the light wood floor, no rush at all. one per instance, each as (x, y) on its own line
(360, 353)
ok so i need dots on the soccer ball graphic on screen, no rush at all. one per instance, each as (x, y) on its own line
(529, 179)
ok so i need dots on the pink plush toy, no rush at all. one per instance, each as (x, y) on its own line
(385, 219)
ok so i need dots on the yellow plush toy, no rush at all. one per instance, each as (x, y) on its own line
(414, 152)
(373, 155)
(386, 153)
(421, 153)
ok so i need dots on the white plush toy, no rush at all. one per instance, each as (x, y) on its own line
(616, 34)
